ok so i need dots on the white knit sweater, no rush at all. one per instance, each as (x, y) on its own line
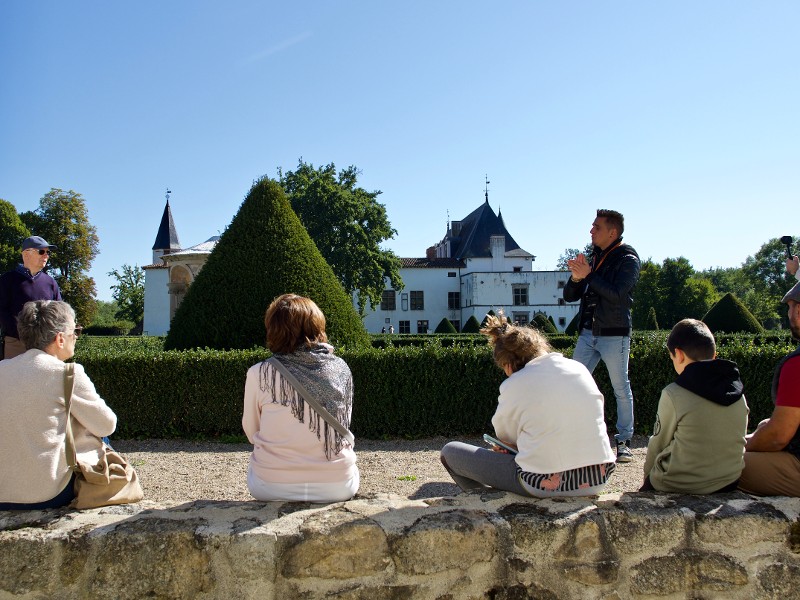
(552, 410)
(33, 466)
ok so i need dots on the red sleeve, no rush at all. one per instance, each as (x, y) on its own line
(789, 384)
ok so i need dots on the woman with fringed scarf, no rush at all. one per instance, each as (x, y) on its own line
(297, 454)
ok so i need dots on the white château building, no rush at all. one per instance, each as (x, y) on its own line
(475, 268)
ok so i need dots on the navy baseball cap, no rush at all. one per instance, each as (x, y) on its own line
(35, 242)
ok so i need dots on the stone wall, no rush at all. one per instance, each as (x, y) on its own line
(494, 545)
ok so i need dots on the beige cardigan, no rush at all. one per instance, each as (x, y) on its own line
(33, 465)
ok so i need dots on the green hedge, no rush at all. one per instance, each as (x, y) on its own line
(409, 391)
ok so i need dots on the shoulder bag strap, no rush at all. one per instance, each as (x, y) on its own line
(69, 384)
(321, 410)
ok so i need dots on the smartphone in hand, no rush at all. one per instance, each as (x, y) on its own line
(493, 441)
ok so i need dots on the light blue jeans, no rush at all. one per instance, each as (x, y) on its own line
(615, 351)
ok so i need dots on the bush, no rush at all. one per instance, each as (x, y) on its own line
(730, 315)
(409, 391)
(445, 326)
(543, 324)
(265, 252)
(572, 328)
(471, 326)
(652, 321)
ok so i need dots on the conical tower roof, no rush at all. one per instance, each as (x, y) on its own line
(167, 237)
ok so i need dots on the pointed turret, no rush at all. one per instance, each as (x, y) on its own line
(167, 237)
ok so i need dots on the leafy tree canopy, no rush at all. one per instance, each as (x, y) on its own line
(766, 271)
(128, 293)
(12, 232)
(347, 224)
(62, 219)
(571, 253)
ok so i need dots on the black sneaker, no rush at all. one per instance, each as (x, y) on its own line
(624, 454)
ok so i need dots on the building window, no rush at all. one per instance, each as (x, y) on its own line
(417, 300)
(562, 321)
(561, 284)
(405, 326)
(520, 295)
(517, 269)
(520, 318)
(453, 300)
(388, 301)
(404, 301)
(422, 326)
(457, 325)
(561, 302)
(451, 273)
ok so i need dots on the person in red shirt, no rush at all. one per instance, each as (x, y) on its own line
(772, 452)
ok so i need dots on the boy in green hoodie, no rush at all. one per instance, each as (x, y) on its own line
(697, 446)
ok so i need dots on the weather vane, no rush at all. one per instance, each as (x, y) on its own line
(486, 189)
(167, 195)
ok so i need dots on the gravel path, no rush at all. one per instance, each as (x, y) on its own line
(177, 471)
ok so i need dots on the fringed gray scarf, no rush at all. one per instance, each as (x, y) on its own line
(326, 377)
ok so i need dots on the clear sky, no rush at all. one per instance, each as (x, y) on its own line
(683, 115)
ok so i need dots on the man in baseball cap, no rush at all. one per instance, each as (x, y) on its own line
(25, 283)
(772, 452)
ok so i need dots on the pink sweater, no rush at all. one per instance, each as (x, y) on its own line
(285, 450)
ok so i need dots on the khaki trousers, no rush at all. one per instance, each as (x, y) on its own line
(770, 474)
(13, 347)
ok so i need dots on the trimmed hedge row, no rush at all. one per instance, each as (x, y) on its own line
(409, 391)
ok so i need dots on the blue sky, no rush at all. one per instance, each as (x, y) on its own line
(682, 115)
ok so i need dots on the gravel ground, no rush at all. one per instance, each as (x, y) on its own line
(177, 471)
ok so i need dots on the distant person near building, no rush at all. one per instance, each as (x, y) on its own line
(25, 283)
(604, 285)
(772, 452)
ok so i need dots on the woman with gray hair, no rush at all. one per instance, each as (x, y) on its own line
(33, 465)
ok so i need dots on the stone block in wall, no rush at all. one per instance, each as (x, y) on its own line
(686, 571)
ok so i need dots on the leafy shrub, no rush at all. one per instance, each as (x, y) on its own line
(265, 252)
(543, 324)
(730, 315)
(445, 326)
(471, 326)
(572, 328)
(411, 391)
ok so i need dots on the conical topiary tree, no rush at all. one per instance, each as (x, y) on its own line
(264, 252)
(491, 313)
(651, 323)
(445, 326)
(541, 323)
(471, 326)
(731, 316)
(572, 328)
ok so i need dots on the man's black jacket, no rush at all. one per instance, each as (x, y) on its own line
(612, 283)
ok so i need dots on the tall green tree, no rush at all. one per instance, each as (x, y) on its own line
(766, 270)
(673, 290)
(62, 219)
(348, 225)
(734, 280)
(569, 254)
(12, 232)
(128, 292)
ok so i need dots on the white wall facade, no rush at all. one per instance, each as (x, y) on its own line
(156, 300)
(480, 291)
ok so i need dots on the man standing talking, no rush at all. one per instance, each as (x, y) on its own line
(25, 283)
(604, 285)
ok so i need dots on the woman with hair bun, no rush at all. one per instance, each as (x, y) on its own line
(549, 410)
(297, 453)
